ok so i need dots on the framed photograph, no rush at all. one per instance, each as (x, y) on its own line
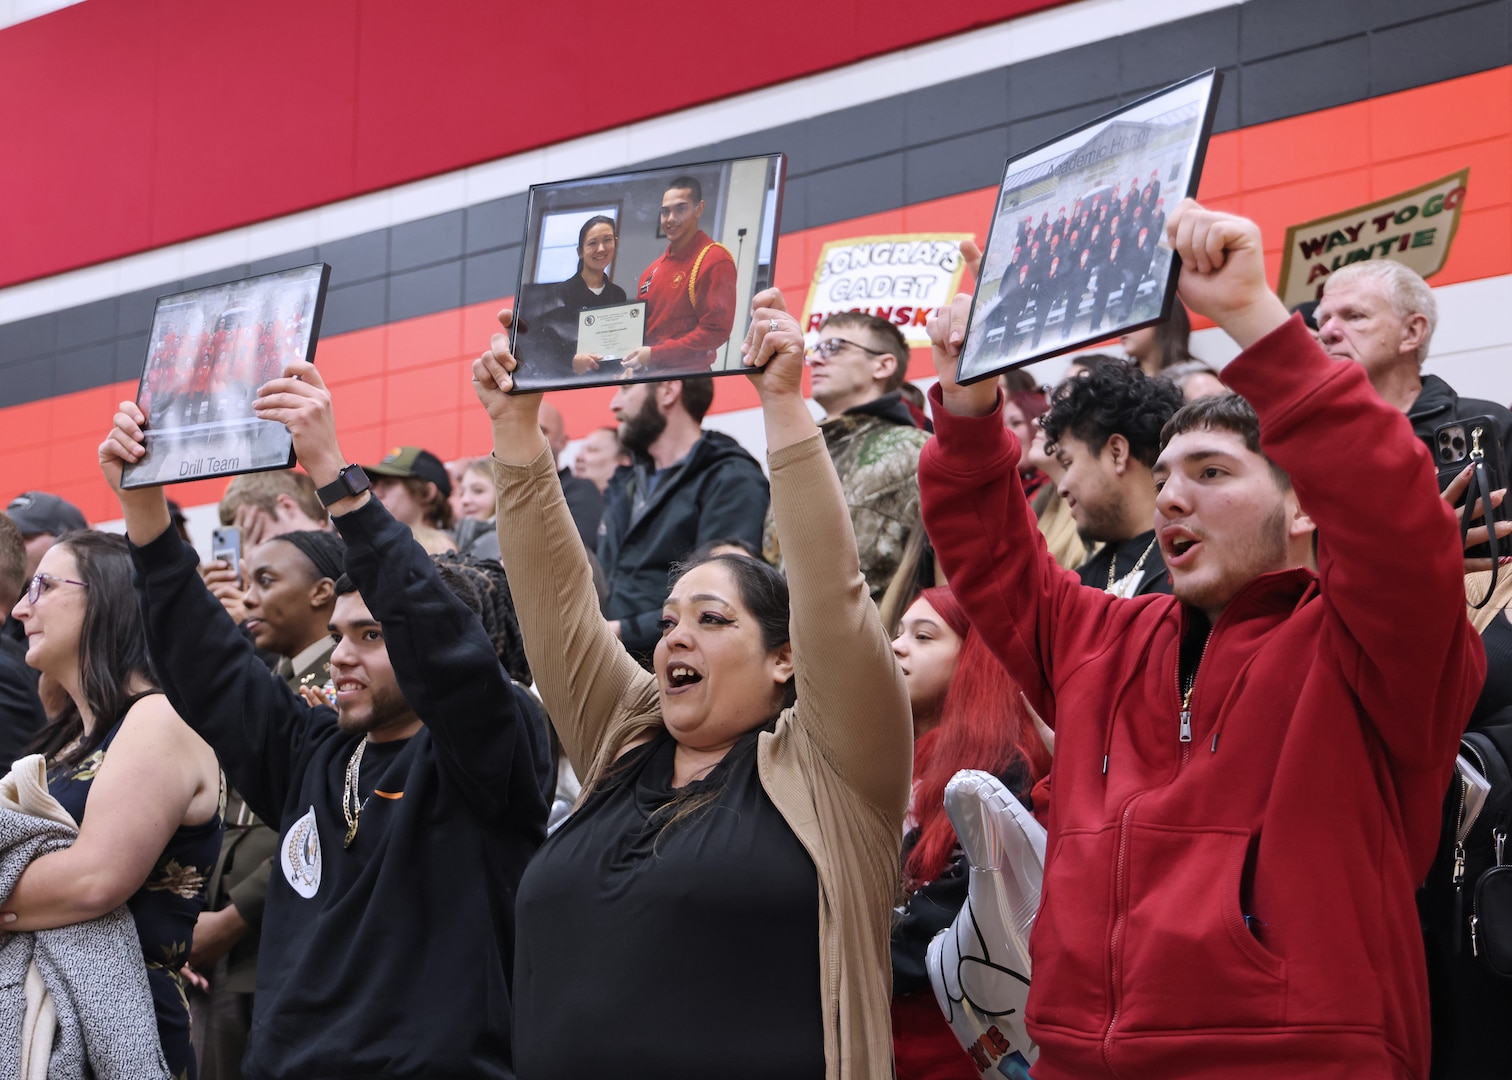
(209, 351)
(644, 275)
(1077, 251)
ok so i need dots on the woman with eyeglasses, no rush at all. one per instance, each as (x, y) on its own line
(145, 789)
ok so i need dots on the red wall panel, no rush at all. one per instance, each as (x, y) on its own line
(138, 123)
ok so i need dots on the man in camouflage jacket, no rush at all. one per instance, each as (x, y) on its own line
(857, 368)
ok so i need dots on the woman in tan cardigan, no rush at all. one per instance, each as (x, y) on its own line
(720, 902)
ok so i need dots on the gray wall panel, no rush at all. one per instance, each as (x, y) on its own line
(494, 224)
(130, 357)
(853, 190)
(1277, 26)
(85, 368)
(866, 131)
(421, 292)
(955, 108)
(28, 338)
(425, 242)
(88, 324)
(303, 257)
(1305, 81)
(491, 275)
(134, 310)
(357, 258)
(953, 165)
(355, 307)
(1440, 47)
(1186, 47)
(1052, 84)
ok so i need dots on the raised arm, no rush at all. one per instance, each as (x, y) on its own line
(208, 669)
(442, 657)
(851, 697)
(1391, 568)
(1017, 597)
(585, 677)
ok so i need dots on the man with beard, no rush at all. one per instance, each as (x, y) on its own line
(683, 487)
(1104, 429)
(1249, 773)
(406, 815)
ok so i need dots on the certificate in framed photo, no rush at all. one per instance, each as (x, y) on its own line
(1077, 252)
(209, 351)
(644, 275)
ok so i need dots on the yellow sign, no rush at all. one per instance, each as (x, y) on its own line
(1414, 228)
(900, 278)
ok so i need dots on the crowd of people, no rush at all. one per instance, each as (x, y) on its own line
(503, 768)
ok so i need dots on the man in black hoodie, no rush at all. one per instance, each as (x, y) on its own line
(1381, 314)
(405, 816)
(857, 367)
(683, 487)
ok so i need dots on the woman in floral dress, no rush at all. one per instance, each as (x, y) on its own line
(145, 789)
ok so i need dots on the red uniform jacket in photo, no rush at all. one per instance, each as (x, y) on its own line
(1326, 715)
(684, 333)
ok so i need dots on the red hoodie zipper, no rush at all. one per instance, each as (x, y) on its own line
(1184, 736)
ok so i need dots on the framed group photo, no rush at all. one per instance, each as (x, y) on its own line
(644, 275)
(208, 352)
(1077, 251)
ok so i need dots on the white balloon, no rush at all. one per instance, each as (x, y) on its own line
(979, 966)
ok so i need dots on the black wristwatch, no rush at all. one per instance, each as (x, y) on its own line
(349, 481)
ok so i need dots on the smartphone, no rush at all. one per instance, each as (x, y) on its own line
(226, 545)
(1456, 445)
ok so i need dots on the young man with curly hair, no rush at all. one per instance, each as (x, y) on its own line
(1104, 429)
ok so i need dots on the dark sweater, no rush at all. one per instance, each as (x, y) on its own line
(654, 518)
(397, 963)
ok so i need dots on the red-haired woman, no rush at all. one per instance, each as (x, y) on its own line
(968, 714)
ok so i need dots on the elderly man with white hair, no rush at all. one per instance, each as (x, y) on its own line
(1382, 315)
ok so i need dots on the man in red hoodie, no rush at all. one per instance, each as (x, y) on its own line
(1248, 773)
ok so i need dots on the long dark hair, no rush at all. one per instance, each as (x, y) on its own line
(112, 646)
(596, 219)
(764, 593)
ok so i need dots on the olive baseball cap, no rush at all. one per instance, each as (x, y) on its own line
(411, 461)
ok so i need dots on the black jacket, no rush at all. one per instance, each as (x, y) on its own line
(397, 962)
(21, 715)
(1439, 404)
(717, 491)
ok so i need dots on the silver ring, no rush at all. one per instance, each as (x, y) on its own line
(773, 325)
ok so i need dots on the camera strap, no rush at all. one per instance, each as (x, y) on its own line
(1479, 490)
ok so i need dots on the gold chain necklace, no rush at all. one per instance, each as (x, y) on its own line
(351, 802)
(1138, 566)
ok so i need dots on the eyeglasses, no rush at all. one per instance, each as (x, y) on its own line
(42, 582)
(830, 346)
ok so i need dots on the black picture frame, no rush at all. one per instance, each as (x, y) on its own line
(1135, 284)
(208, 352)
(741, 219)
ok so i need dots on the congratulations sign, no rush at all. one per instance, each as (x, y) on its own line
(900, 278)
(1414, 228)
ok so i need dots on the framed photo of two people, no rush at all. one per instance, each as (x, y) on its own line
(644, 275)
(1077, 250)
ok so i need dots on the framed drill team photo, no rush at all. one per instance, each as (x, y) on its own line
(209, 351)
(644, 275)
(1077, 251)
